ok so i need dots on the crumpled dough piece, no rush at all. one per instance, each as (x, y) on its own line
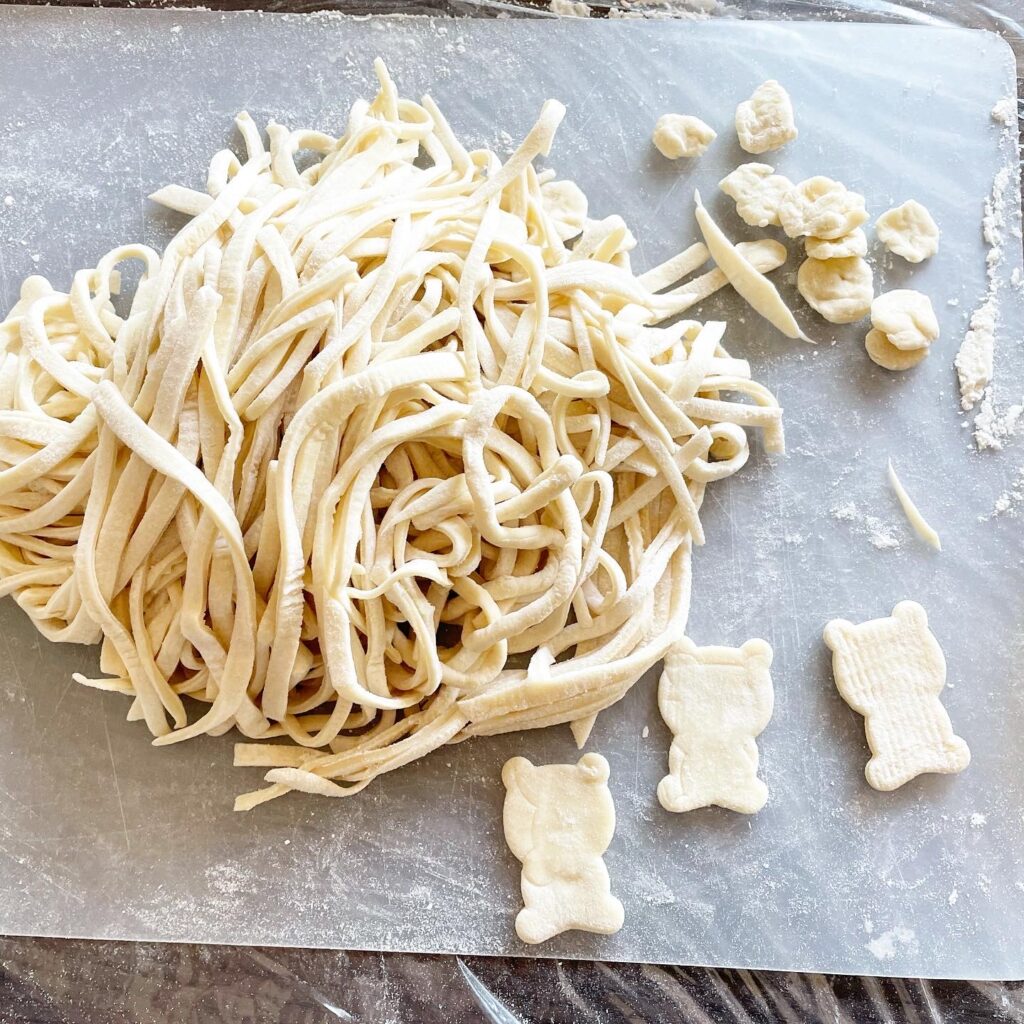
(822, 208)
(892, 671)
(886, 355)
(559, 820)
(853, 244)
(716, 701)
(566, 204)
(765, 121)
(757, 190)
(682, 135)
(909, 231)
(840, 290)
(906, 318)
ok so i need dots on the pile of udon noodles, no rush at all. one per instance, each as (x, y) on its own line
(370, 429)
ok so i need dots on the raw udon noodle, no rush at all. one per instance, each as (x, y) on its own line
(370, 430)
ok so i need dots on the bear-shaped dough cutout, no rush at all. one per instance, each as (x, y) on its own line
(716, 701)
(559, 820)
(892, 671)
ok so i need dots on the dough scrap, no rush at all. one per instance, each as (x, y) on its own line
(716, 701)
(913, 514)
(891, 671)
(885, 354)
(853, 244)
(757, 191)
(682, 135)
(762, 296)
(765, 121)
(909, 231)
(906, 318)
(822, 208)
(840, 290)
(763, 254)
(559, 820)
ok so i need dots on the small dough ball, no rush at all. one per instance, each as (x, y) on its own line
(840, 290)
(765, 121)
(822, 208)
(883, 352)
(906, 318)
(678, 135)
(757, 190)
(566, 204)
(908, 231)
(853, 244)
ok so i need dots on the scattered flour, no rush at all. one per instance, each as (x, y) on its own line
(845, 513)
(953, 897)
(974, 360)
(880, 535)
(978, 820)
(1008, 501)
(884, 947)
(505, 143)
(646, 732)
(992, 429)
(1005, 112)
(569, 8)
(8, 200)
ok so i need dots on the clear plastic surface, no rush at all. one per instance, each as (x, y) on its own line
(53, 980)
(46, 981)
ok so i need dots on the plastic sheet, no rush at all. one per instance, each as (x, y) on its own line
(46, 980)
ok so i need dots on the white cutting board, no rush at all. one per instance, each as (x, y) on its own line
(103, 836)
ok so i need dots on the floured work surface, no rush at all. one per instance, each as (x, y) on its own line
(104, 836)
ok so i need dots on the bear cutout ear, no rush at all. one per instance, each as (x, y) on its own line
(685, 647)
(512, 769)
(758, 651)
(595, 768)
(911, 612)
(836, 633)
(682, 652)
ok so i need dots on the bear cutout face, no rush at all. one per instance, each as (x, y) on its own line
(741, 673)
(882, 659)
